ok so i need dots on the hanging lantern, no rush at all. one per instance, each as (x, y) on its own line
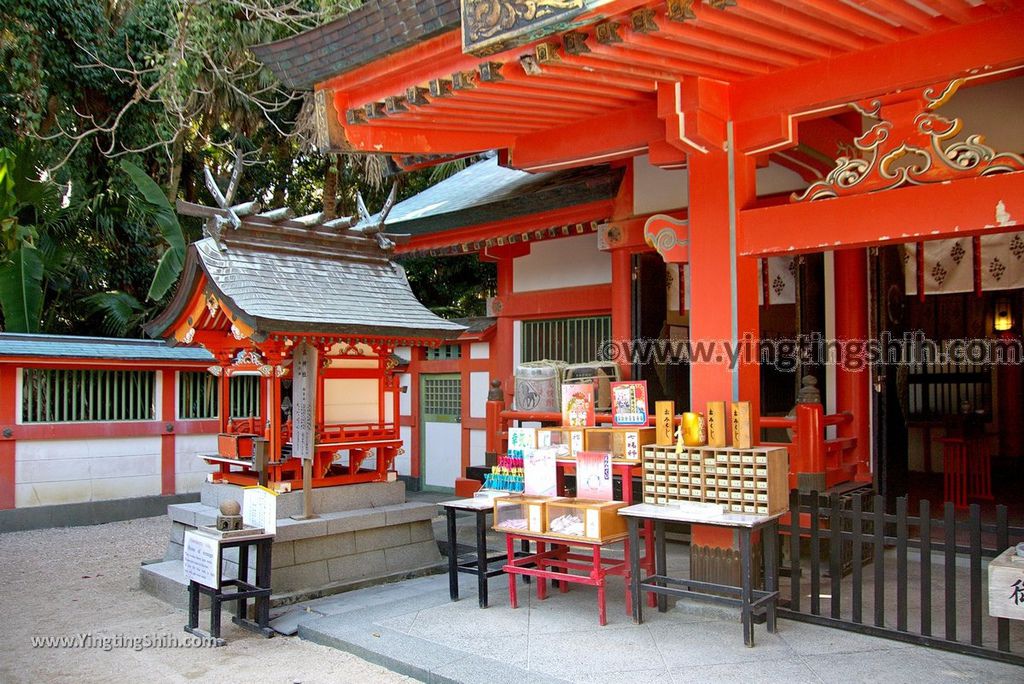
(1002, 319)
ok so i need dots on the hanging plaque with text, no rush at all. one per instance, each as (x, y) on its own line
(304, 376)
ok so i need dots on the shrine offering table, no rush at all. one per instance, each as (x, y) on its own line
(480, 507)
(243, 590)
(626, 470)
(538, 565)
(750, 601)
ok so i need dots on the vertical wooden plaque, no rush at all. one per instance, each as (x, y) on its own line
(665, 432)
(716, 424)
(741, 437)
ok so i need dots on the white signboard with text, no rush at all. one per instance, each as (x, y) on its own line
(201, 559)
(304, 377)
(259, 508)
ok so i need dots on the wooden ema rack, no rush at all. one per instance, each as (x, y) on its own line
(753, 481)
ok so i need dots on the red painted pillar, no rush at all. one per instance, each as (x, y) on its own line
(622, 304)
(167, 416)
(723, 286)
(723, 313)
(502, 348)
(8, 444)
(416, 441)
(853, 385)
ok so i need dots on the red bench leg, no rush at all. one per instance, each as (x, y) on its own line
(512, 596)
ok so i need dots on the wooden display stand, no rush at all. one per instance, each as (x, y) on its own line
(752, 481)
(623, 443)
(600, 519)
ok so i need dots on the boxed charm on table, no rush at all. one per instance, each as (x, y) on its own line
(586, 519)
(520, 514)
(623, 443)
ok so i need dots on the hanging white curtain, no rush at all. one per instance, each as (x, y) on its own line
(779, 281)
(949, 264)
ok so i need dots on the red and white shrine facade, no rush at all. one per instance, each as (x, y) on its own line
(256, 293)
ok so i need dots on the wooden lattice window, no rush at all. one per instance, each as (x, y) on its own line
(442, 398)
(573, 340)
(245, 396)
(445, 352)
(197, 395)
(66, 395)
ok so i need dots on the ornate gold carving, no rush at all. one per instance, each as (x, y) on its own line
(607, 32)
(669, 236)
(463, 80)
(248, 357)
(395, 104)
(490, 72)
(681, 10)
(440, 87)
(642, 21)
(492, 26)
(416, 96)
(546, 52)
(575, 43)
(910, 145)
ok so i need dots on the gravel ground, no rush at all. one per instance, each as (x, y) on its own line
(85, 580)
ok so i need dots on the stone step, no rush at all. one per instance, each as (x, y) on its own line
(166, 581)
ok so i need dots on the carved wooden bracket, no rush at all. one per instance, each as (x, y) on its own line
(910, 145)
(669, 236)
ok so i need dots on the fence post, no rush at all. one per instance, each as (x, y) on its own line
(8, 442)
(810, 448)
(168, 414)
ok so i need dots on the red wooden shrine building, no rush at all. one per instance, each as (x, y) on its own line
(848, 138)
(250, 295)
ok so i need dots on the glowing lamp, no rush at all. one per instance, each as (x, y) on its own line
(1003, 318)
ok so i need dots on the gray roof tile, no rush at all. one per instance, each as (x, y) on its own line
(108, 348)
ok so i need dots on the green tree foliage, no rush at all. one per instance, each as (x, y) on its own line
(169, 87)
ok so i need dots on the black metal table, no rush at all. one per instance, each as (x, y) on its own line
(480, 507)
(243, 590)
(751, 601)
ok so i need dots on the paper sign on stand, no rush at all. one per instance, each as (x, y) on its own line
(629, 403)
(578, 405)
(201, 559)
(539, 474)
(259, 508)
(594, 475)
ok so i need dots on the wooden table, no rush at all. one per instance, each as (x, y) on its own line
(244, 590)
(478, 566)
(749, 600)
(596, 567)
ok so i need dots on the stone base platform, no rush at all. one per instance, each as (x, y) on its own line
(364, 533)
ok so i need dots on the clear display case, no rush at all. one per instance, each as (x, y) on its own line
(587, 519)
(623, 443)
(573, 440)
(520, 514)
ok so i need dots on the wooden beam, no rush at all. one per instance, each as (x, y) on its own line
(974, 206)
(982, 47)
(624, 131)
(786, 19)
(583, 213)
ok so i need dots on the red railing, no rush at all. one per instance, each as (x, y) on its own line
(357, 432)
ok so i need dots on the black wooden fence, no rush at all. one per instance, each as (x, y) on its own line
(906, 571)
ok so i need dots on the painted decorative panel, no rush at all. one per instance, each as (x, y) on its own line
(491, 26)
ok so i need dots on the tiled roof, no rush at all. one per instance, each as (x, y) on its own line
(292, 292)
(67, 346)
(378, 28)
(486, 192)
(476, 324)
